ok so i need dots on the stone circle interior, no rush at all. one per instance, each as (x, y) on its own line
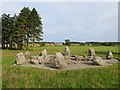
(65, 61)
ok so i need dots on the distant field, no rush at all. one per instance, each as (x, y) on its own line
(28, 77)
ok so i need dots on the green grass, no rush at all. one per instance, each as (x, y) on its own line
(28, 77)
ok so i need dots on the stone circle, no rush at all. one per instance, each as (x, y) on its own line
(65, 60)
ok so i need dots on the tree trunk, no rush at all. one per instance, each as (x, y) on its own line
(3, 45)
(27, 43)
(10, 43)
(33, 43)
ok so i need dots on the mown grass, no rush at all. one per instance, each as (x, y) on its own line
(28, 77)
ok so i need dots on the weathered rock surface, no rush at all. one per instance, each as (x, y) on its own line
(73, 62)
(91, 52)
(99, 61)
(34, 61)
(59, 61)
(90, 58)
(109, 55)
(43, 53)
(43, 60)
(20, 59)
(67, 57)
(27, 54)
(67, 51)
(55, 64)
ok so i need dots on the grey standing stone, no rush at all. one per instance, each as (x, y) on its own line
(109, 55)
(67, 51)
(43, 53)
(91, 52)
(20, 59)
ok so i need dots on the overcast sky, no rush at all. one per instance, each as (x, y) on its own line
(78, 21)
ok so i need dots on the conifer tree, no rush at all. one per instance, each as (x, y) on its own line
(36, 27)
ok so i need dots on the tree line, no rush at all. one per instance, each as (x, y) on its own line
(19, 30)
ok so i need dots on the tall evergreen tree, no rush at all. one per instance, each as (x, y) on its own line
(12, 26)
(21, 28)
(36, 26)
(7, 25)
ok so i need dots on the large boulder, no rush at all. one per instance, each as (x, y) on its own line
(20, 59)
(98, 61)
(59, 61)
(109, 55)
(43, 53)
(67, 51)
(91, 52)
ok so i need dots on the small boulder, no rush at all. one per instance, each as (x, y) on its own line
(90, 58)
(75, 57)
(109, 55)
(85, 58)
(91, 52)
(98, 61)
(55, 64)
(67, 51)
(20, 59)
(34, 61)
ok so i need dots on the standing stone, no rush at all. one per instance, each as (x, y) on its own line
(67, 51)
(43, 53)
(59, 61)
(20, 58)
(98, 61)
(27, 54)
(109, 55)
(91, 52)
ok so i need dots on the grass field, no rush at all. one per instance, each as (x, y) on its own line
(28, 77)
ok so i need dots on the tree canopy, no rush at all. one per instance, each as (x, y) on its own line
(18, 31)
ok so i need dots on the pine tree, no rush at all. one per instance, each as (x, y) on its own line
(7, 25)
(36, 27)
(21, 28)
(18, 30)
